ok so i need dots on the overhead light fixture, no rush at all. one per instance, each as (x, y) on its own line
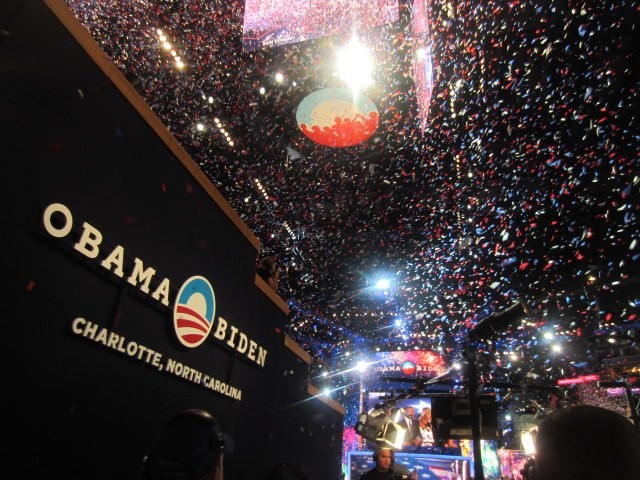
(362, 366)
(355, 65)
(528, 440)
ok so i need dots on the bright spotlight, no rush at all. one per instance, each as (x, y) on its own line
(528, 440)
(383, 284)
(355, 65)
(279, 77)
(362, 366)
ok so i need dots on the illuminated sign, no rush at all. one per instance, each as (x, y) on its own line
(410, 364)
(577, 380)
(194, 300)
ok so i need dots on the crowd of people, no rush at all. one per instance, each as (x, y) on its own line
(279, 22)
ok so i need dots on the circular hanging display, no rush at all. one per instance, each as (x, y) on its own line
(336, 118)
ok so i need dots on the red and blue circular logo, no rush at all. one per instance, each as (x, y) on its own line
(408, 368)
(336, 117)
(194, 311)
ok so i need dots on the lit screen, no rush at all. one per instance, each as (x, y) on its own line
(279, 22)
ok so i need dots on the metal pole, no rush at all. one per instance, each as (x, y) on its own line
(360, 439)
(472, 386)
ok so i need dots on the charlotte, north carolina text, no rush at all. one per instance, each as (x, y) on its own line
(117, 342)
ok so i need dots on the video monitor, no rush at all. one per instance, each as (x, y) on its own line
(424, 466)
(452, 417)
(280, 22)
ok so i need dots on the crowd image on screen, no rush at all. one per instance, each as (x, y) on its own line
(277, 22)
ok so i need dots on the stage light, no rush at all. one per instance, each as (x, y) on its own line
(383, 284)
(355, 65)
(362, 366)
(279, 77)
(528, 440)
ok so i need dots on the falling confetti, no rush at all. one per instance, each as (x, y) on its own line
(521, 185)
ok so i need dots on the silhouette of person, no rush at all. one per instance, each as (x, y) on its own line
(190, 448)
(269, 271)
(588, 443)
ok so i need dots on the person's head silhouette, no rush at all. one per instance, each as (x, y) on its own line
(586, 442)
(191, 447)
